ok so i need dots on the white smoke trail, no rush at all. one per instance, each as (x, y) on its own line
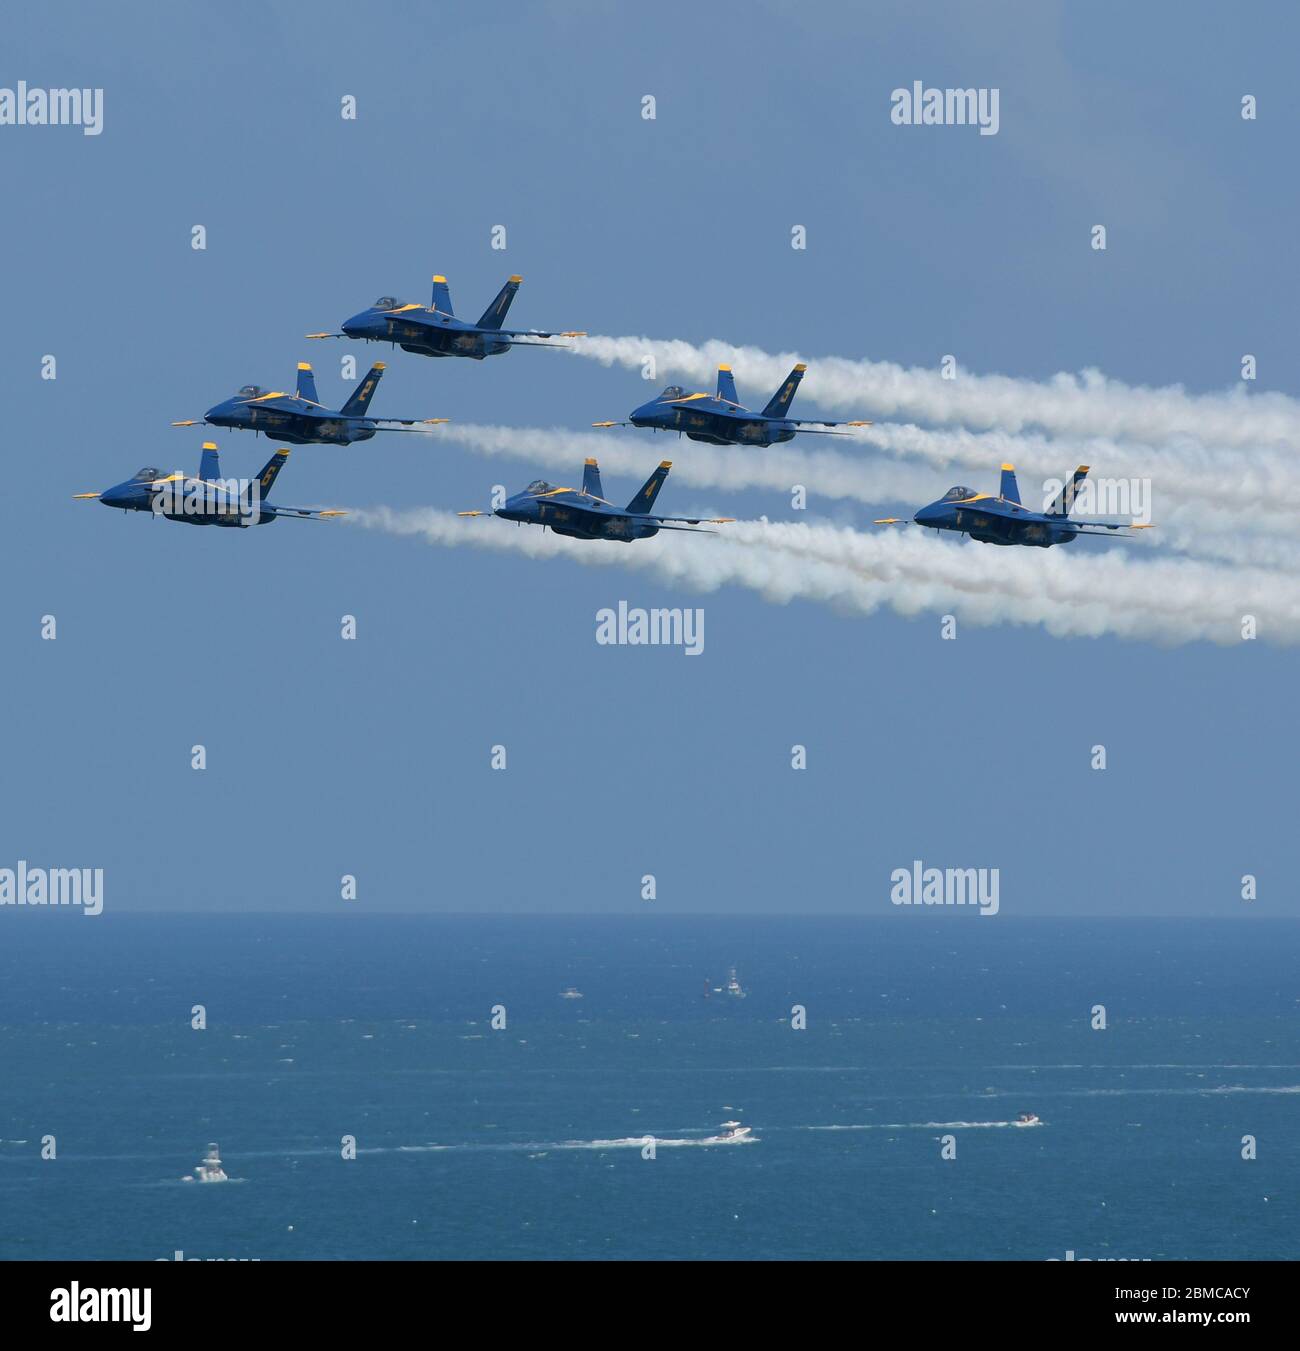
(1160, 600)
(1276, 553)
(1255, 487)
(1086, 404)
(1206, 504)
(868, 479)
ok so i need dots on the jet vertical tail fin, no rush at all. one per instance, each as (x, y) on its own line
(727, 385)
(495, 314)
(209, 463)
(1064, 500)
(306, 382)
(1010, 489)
(360, 399)
(270, 472)
(442, 296)
(779, 404)
(591, 480)
(645, 499)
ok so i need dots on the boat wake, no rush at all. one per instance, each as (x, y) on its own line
(640, 1141)
(731, 1136)
(926, 1126)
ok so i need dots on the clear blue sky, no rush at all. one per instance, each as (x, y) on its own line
(372, 757)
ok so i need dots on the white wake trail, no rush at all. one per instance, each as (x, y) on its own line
(1083, 404)
(1160, 600)
(1254, 488)
(859, 478)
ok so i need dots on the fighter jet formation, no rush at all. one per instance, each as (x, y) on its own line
(584, 513)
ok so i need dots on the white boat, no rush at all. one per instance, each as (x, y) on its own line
(733, 985)
(571, 993)
(733, 1133)
(1028, 1119)
(210, 1169)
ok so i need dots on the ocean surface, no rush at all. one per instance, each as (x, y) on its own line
(528, 1142)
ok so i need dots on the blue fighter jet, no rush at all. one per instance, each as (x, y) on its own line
(301, 419)
(583, 513)
(722, 421)
(1003, 519)
(208, 499)
(436, 332)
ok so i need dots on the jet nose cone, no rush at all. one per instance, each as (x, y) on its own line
(926, 516)
(114, 497)
(358, 326)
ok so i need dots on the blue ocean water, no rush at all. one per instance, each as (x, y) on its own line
(526, 1142)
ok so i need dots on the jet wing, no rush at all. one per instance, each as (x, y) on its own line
(706, 403)
(437, 323)
(402, 423)
(811, 424)
(1107, 528)
(529, 333)
(292, 407)
(687, 520)
(410, 314)
(303, 513)
(491, 336)
(685, 529)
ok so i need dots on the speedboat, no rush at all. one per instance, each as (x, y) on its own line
(733, 1133)
(571, 993)
(1028, 1119)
